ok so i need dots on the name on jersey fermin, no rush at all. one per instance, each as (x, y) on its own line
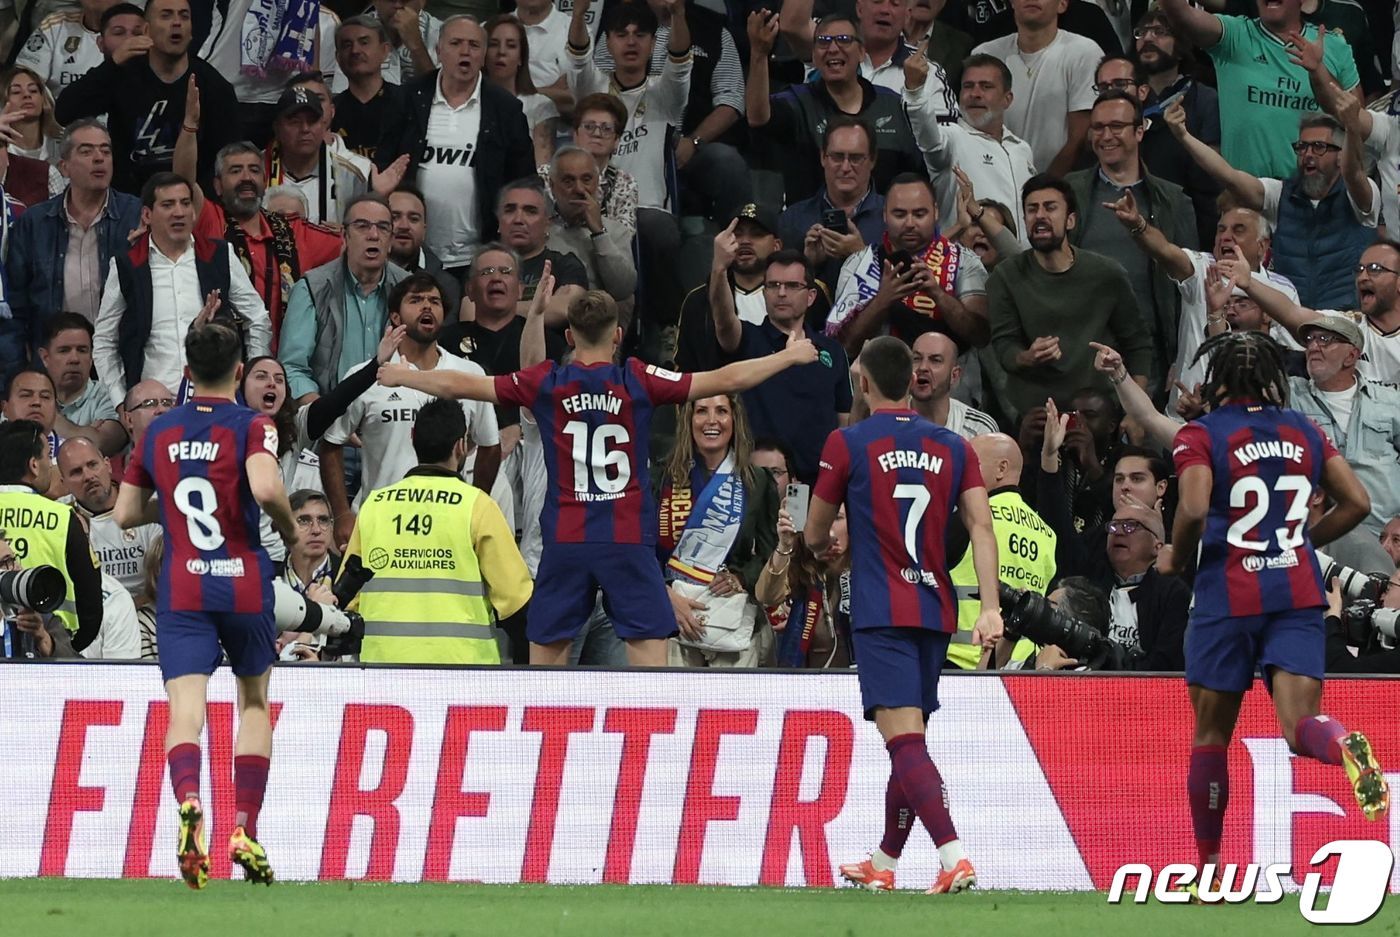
(580, 402)
(1269, 449)
(908, 458)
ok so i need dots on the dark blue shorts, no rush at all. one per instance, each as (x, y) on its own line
(899, 667)
(566, 587)
(1223, 653)
(195, 642)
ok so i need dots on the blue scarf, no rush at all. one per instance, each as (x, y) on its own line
(708, 529)
(279, 35)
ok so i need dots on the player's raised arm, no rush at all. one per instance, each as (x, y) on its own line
(741, 375)
(453, 384)
(976, 513)
(1350, 502)
(1193, 504)
(265, 482)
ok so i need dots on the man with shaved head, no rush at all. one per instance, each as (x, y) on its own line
(936, 373)
(1025, 543)
(120, 553)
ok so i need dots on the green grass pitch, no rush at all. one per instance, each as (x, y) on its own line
(77, 908)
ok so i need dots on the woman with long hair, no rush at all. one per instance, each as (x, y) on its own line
(716, 513)
(508, 67)
(807, 597)
(28, 113)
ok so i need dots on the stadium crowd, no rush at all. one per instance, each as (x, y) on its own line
(1055, 204)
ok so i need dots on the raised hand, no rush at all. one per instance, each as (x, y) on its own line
(544, 290)
(1305, 54)
(192, 103)
(1107, 360)
(1126, 210)
(726, 246)
(133, 47)
(1056, 424)
(387, 179)
(1175, 116)
(1190, 404)
(916, 67)
(393, 335)
(787, 533)
(763, 32)
(800, 349)
(211, 306)
(1218, 289)
(1236, 271)
(392, 375)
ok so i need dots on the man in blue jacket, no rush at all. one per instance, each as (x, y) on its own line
(60, 249)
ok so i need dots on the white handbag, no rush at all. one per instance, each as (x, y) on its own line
(728, 620)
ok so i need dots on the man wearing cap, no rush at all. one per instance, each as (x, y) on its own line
(298, 157)
(913, 280)
(1360, 415)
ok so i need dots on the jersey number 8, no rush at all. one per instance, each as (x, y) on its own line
(197, 501)
(1253, 488)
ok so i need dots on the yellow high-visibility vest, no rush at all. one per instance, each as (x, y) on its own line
(1026, 560)
(37, 530)
(427, 602)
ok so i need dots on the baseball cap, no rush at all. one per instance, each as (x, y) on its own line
(761, 215)
(1339, 325)
(299, 98)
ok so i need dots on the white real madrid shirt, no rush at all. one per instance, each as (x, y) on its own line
(61, 50)
(383, 416)
(121, 553)
(447, 177)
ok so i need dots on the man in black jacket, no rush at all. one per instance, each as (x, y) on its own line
(479, 142)
(1147, 611)
(142, 90)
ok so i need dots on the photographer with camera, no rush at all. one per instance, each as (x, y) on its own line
(1078, 613)
(24, 632)
(1362, 614)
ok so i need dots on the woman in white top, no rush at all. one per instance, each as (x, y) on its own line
(27, 117)
(508, 67)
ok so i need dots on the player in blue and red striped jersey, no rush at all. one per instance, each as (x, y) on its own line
(599, 520)
(1247, 471)
(901, 477)
(213, 464)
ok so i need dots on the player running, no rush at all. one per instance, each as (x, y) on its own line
(900, 477)
(213, 463)
(1247, 470)
(599, 519)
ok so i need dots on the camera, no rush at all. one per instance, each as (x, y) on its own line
(1368, 627)
(1356, 585)
(40, 588)
(1030, 615)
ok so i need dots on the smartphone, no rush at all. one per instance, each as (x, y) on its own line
(834, 219)
(900, 259)
(795, 503)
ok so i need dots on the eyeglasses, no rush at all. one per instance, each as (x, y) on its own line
(1127, 527)
(1315, 147)
(1114, 127)
(852, 159)
(1374, 268)
(152, 402)
(1148, 32)
(1239, 302)
(1117, 84)
(844, 40)
(1324, 339)
(784, 286)
(364, 226)
(307, 521)
(493, 271)
(595, 129)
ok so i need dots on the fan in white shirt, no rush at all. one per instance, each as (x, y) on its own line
(383, 416)
(121, 553)
(177, 298)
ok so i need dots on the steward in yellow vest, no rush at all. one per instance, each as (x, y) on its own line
(44, 532)
(442, 555)
(1025, 546)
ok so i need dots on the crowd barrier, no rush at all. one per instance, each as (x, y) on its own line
(515, 775)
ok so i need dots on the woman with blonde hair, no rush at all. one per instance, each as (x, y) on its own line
(717, 513)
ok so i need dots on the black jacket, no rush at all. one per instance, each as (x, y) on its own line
(1162, 603)
(503, 153)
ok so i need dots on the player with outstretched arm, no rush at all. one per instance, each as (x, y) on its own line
(599, 519)
(1247, 470)
(900, 477)
(213, 464)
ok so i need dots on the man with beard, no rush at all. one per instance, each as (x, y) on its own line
(274, 249)
(996, 161)
(755, 240)
(408, 211)
(1115, 135)
(936, 373)
(121, 553)
(383, 417)
(1259, 80)
(1051, 105)
(914, 280)
(578, 226)
(85, 407)
(804, 404)
(1154, 74)
(1323, 216)
(1049, 302)
(790, 123)
(848, 158)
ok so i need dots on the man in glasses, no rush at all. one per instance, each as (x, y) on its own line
(142, 404)
(1323, 215)
(336, 313)
(1115, 136)
(156, 291)
(578, 227)
(1147, 611)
